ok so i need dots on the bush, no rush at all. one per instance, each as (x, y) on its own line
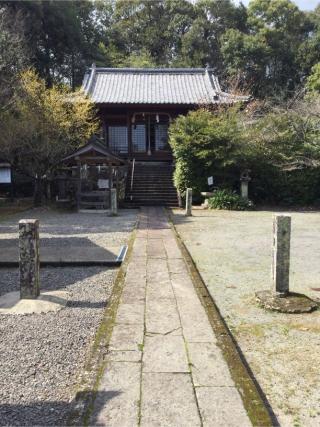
(205, 144)
(229, 200)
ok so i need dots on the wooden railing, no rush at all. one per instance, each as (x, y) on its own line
(132, 173)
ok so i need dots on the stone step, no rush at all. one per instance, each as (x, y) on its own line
(158, 186)
(152, 185)
(153, 193)
(138, 203)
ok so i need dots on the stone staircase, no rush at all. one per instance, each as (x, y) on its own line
(152, 185)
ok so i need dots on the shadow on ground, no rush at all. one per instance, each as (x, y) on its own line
(52, 278)
(49, 413)
(71, 249)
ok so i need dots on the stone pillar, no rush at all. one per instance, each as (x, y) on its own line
(244, 179)
(245, 189)
(29, 262)
(189, 202)
(281, 254)
(114, 207)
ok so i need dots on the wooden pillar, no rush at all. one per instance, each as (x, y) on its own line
(117, 182)
(129, 136)
(110, 181)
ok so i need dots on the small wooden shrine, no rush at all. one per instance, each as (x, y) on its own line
(87, 175)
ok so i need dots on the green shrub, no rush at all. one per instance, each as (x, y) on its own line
(205, 143)
(229, 200)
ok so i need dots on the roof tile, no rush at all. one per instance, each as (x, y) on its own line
(154, 86)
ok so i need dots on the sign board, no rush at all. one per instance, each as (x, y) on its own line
(5, 175)
(103, 183)
(210, 180)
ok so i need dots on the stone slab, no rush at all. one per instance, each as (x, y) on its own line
(133, 294)
(117, 401)
(124, 356)
(162, 316)
(172, 248)
(156, 265)
(155, 248)
(126, 337)
(46, 302)
(168, 400)
(158, 276)
(208, 366)
(130, 313)
(164, 353)
(183, 288)
(221, 406)
(194, 321)
(177, 265)
(159, 289)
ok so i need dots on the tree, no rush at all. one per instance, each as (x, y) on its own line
(268, 51)
(63, 36)
(42, 126)
(201, 44)
(313, 82)
(140, 26)
(289, 135)
(13, 54)
(246, 57)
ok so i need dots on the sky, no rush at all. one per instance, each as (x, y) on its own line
(302, 4)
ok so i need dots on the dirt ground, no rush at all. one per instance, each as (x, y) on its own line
(232, 251)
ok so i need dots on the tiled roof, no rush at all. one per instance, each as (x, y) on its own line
(94, 144)
(155, 86)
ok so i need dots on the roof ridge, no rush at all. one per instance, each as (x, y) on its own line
(152, 70)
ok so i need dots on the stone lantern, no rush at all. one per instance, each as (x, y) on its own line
(244, 179)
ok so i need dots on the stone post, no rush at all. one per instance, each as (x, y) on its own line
(189, 202)
(245, 189)
(244, 179)
(114, 207)
(29, 262)
(281, 254)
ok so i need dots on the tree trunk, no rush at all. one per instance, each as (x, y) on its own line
(37, 194)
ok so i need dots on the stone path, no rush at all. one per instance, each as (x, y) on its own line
(164, 367)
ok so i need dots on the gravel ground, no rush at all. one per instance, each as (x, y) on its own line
(78, 229)
(232, 251)
(41, 356)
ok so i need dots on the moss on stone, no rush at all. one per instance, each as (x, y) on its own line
(95, 364)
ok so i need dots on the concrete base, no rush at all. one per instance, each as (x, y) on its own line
(57, 255)
(11, 303)
(94, 211)
(292, 303)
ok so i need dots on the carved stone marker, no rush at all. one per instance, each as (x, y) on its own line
(281, 254)
(29, 263)
(279, 298)
(189, 202)
(114, 207)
